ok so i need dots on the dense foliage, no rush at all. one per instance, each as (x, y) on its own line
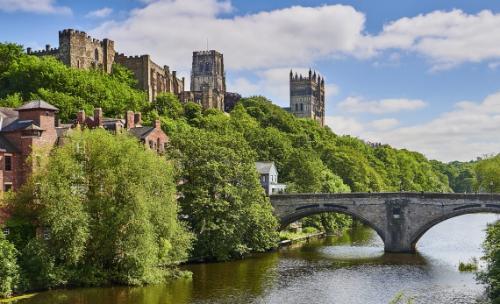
(491, 275)
(24, 77)
(9, 271)
(111, 214)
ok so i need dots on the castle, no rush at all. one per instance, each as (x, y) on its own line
(307, 96)
(78, 50)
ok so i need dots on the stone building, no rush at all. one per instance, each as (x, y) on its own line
(151, 77)
(269, 178)
(307, 96)
(78, 50)
(208, 80)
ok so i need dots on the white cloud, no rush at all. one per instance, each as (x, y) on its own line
(100, 13)
(296, 36)
(359, 105)
(384, 124)
(447, 38)
(464, 133)
(34, 6)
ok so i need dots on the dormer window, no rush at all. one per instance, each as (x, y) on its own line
(31, 133)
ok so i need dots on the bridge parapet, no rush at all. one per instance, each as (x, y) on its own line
(399, 218)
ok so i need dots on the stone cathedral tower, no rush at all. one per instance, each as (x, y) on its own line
(208, 79)
(307, 96)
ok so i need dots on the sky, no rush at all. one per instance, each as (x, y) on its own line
(416, 74)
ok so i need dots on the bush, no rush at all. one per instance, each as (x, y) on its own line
(9, 271)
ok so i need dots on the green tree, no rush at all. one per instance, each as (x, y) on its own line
(491, 275)
(487, 177)
(222, 199)
(9, 270)
(111, 212)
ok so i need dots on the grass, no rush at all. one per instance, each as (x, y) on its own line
(468, 266)
(9, 300)
(288, 235)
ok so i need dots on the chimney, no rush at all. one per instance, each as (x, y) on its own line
(47, 47)
(98, 117)
(157, 124)
(80, 117)
(138, 119)
(129, 120)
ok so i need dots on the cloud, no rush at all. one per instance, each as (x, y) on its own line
(100, 13)
(384, 124)
(447, 38)
(299, 36)
(296, 36)
(464, 133)
(383, 106)
(34, 6)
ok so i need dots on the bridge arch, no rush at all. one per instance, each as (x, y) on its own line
(301, 213)
(428, 225)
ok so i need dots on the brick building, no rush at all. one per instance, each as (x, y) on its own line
(151, 136)
(33, 128)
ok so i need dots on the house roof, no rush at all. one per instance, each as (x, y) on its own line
(18, 125)
(264, 167)
(37, 104)
(141, 132)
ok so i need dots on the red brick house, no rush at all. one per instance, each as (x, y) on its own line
(151, 136)
(33, 126)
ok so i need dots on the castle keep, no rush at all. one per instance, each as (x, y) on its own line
(307, 96)
(78, 50)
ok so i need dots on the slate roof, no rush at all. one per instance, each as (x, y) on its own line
(141, 132)
(18, 125)
(37, 104)
(264, 167)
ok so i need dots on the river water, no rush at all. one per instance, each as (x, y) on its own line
(349, 269)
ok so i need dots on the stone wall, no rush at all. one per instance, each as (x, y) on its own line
(307, 96)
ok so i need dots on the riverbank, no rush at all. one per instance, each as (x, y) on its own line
(294, 237)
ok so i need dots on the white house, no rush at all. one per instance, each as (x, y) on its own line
(269, 178)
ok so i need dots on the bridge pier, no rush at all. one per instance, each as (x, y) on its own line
(396, 237)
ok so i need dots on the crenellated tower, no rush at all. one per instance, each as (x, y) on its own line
(307, 96)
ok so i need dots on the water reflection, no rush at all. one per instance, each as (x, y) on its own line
(349, 269)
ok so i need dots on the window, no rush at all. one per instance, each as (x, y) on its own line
(296, 107)
(151, 144)
(158, 145)
(7, 187)
(96, 55)
(8, 163)
(6, 231)
(301, 107)
(46, 233)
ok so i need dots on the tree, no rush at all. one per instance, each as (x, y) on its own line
(168, 104)
(487, 177)
(111, 212)
(222, 199)
(491, 275)
(9, 270)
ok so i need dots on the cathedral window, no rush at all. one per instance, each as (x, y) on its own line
(301, 107)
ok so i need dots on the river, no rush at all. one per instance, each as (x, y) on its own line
(349, 269)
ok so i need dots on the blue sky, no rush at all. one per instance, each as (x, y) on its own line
(422, 75)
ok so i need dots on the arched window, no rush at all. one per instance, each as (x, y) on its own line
(296, 107)
(301, 107)
(96, 55)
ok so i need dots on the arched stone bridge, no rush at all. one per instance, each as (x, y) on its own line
(400, 219)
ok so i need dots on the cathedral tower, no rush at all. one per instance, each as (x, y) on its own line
(307, 96)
